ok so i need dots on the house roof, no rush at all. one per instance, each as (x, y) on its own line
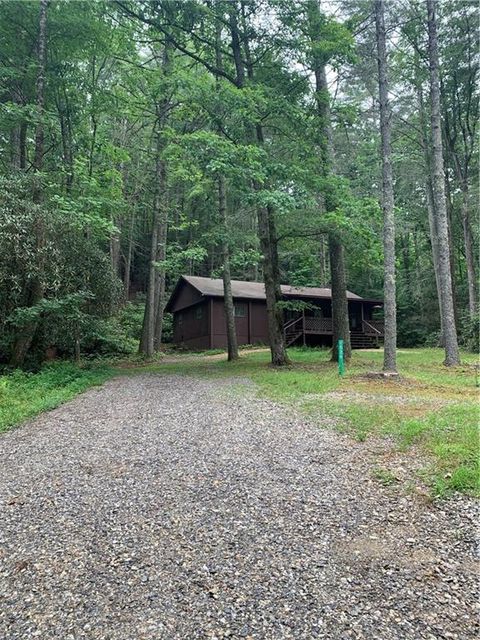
(256, 290)
(213, 287)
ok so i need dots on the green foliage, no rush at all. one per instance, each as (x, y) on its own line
(77, 279)
(108, 337)
(470, 332)
(109, 98)
(24, 395)
(295, 305)
(130, 318)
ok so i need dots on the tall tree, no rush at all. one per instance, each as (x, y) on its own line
(229, 307)
(27, 331)
(155, 299)
(460, 99)
(389, 288)
(232, 345)
(156, 282)
(267, 231)
(328, 200)
(452, 356)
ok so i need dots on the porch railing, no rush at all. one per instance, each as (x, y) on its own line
(373, 328)
(318, 325)
(324, 326)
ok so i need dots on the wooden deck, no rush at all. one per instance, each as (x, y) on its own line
(368, 335)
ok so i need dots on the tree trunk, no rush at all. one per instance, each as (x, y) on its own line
(461, 173)
(78, 355)
(128, 259)
(151, 329)
(429, 196)
(67, 146)
(452, 356)
(232, 346)
(451, 246)
(161, 257)
(389, 286)
(273, 294)
(469, 254)
(115, 249)
(93, 119)
(23, 146)
(148, 328)
(434, 242)
(323, 274)
(40, 88)
(26, 333)
(15, 138)
(265, 221)
(340, 320)
(154, 308)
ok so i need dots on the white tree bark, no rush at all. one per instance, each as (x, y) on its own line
(389, 286)
(452, 356)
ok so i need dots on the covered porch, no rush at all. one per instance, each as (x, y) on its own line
(314, 321)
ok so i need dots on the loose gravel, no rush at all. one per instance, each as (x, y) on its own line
(167, 507)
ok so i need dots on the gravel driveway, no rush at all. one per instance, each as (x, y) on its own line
(163, 507)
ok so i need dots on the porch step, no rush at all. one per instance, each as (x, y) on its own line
(291, 337)
(361, 341)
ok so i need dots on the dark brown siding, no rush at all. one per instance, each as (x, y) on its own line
(191, 327)
(186, 296)
(210, 331)
(258, 322)
(219, 325)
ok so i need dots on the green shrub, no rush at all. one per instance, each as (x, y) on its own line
(130, 319)
(108, 337)
(23, 395)
(470, 332)
(411, 333)
(167, 335)
(432, 340)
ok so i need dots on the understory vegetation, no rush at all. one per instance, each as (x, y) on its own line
(24, 395)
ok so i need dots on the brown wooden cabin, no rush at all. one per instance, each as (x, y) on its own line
(199, 317)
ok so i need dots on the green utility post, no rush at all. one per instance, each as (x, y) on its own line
(341, 363)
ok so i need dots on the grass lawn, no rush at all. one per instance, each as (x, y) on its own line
(431, 407)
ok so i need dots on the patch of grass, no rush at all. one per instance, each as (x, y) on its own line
(24, 395)
(386, 477)
(451, 435)
(363, 419)
(422, 365)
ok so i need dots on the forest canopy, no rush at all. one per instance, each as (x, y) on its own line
(247, 139)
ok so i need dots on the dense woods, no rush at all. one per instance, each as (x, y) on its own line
(310, 143)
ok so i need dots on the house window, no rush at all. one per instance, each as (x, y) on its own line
(180, 318)
(240, 310)
(199, 313)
